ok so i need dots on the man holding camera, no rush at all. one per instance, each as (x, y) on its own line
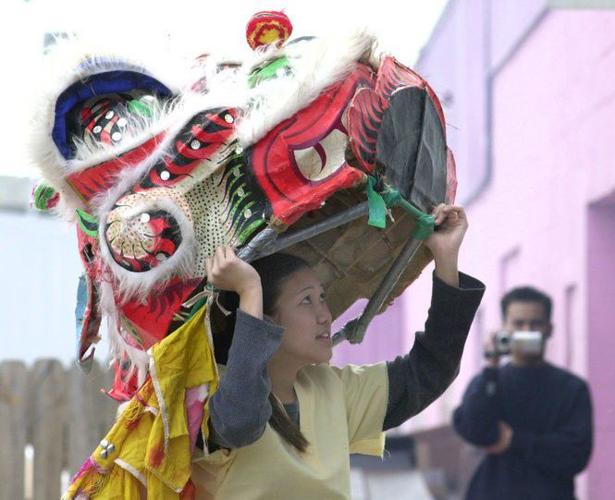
(534, 420)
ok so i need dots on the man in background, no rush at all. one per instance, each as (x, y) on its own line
(534, 420)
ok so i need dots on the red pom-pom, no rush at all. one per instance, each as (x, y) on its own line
(267, 28)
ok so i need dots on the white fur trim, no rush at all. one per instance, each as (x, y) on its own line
(73, 60)
(122, 407)
(316, 64)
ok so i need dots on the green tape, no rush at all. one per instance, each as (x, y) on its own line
(379, 203)
(376, 205)
(425, 225)
(235, 181)
(86, 364)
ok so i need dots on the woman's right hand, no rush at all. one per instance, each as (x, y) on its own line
(228, 272)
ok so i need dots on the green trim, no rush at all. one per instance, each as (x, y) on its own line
(268, 71)
(42, 194)
(235, 208)
(243, 236)
(235, 181)
(87, 222)
(249, 205)
(198, 305)
(140, 108)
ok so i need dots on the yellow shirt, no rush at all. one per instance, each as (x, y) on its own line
(341, 411)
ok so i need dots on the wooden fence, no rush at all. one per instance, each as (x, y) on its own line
(51, 419)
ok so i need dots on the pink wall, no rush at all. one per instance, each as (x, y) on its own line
(601, 342)
(384, 339)
(553, 116)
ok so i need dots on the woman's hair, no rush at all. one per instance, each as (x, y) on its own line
(273, 271)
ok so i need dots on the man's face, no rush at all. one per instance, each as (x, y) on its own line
(529, 317)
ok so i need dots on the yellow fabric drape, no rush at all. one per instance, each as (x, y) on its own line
(148, 447)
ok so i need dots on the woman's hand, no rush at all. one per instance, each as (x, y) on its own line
(451, 226)
(228, 272)
(444, 243)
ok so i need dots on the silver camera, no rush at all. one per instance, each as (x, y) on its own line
(529, 343)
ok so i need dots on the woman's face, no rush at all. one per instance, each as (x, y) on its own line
(303, 312)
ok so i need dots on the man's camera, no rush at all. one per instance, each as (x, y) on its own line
(529, 343)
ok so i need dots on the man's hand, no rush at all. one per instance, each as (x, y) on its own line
(491, 353)
(504, 440)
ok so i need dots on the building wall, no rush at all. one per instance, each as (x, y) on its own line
(601, 342)
(552, 158)
(39, 285)
(534, 124)
(552, 113)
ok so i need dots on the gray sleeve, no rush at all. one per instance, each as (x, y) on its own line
(419, 377)
(240, 408)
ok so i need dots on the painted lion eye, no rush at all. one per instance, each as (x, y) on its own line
(319, 161)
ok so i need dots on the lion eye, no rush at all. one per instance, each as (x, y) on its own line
(324, 158)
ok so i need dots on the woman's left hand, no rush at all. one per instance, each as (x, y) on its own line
(451, 225)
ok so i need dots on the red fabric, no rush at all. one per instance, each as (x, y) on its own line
(88, 247)
(189, 491)
(152, 318)
(124, 386)
(392, 76)
(368, 106)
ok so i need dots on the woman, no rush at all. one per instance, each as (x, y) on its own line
(283, 421)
